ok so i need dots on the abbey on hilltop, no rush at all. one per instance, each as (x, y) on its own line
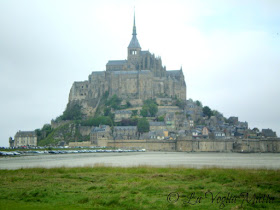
(111, 109)
(141, 76)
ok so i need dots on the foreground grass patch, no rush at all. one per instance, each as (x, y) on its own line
(139, 188)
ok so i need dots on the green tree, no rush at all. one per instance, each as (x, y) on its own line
(47, 128)
(180, 103)
(153, 109)
(129, 122)
(198, 103)
(134, 112)
(114, 102)
(128, 104)
(207, 111)
(107, 111)
(43, 132)
(144, 111)
(72, 112)
(143, 125)
(160, 118)
(149, 109)
(96, 121)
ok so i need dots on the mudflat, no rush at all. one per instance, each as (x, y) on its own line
(156, 159)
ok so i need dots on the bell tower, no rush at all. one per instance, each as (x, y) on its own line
(134, 48)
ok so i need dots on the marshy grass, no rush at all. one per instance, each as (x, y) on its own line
(142, 187)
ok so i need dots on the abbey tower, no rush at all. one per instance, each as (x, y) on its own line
(141, 76)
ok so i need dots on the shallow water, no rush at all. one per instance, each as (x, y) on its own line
(158, 159)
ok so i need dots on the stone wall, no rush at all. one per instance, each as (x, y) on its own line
(268, 145)
(198, 145)
(80, 144)
(204, 145)
(150, 145)
(134, 86)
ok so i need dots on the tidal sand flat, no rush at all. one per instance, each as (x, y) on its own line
(155, 159)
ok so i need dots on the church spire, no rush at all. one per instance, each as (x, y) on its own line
(134, 42)
(134, 26)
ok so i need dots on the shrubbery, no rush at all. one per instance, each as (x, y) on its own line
(207, 111)
(72, 112)
(44, 132)
(96, 121)
(114, 102)
(143, 125)
(129, 122)
(160, 118)
(180, 103)
(149, 109)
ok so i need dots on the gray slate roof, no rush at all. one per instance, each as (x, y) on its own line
(173, 73)
(123, 112)
(117, 62)
(125, 128)
(98, 72)
(134, 43)
(101, 128)
(144, 52)
(157, 123)
(25, 133)
(132, 72)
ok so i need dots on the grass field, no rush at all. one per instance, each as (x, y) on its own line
(139, 188)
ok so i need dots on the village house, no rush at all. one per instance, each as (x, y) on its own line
(219, 134)
(125, 132)
(102, 132)
(158, 134)
(122, 114)
(205, 132)
(25, 138)
(157, 126)
(268, 133)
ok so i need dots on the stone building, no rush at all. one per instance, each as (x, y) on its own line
(139, 77)
(122, 114)
(268, 133)
(157, 126)
(11, 142)
(125, 132)
(25, 138)
(103, 132)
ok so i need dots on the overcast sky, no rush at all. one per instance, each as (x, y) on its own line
(229, 51)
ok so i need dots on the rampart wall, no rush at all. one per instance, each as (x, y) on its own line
(199, 145)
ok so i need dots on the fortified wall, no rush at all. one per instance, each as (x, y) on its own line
(198, 145)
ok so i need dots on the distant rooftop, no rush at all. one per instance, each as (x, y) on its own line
(132, 72)
(117, 62)
(26, 133)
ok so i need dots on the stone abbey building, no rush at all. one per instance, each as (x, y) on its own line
(141, 76)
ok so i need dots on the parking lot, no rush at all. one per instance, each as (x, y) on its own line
(37, 152)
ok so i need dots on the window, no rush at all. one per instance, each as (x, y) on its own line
(133, 52)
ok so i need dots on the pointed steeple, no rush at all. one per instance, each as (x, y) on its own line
(134, 42)
(134, 26)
